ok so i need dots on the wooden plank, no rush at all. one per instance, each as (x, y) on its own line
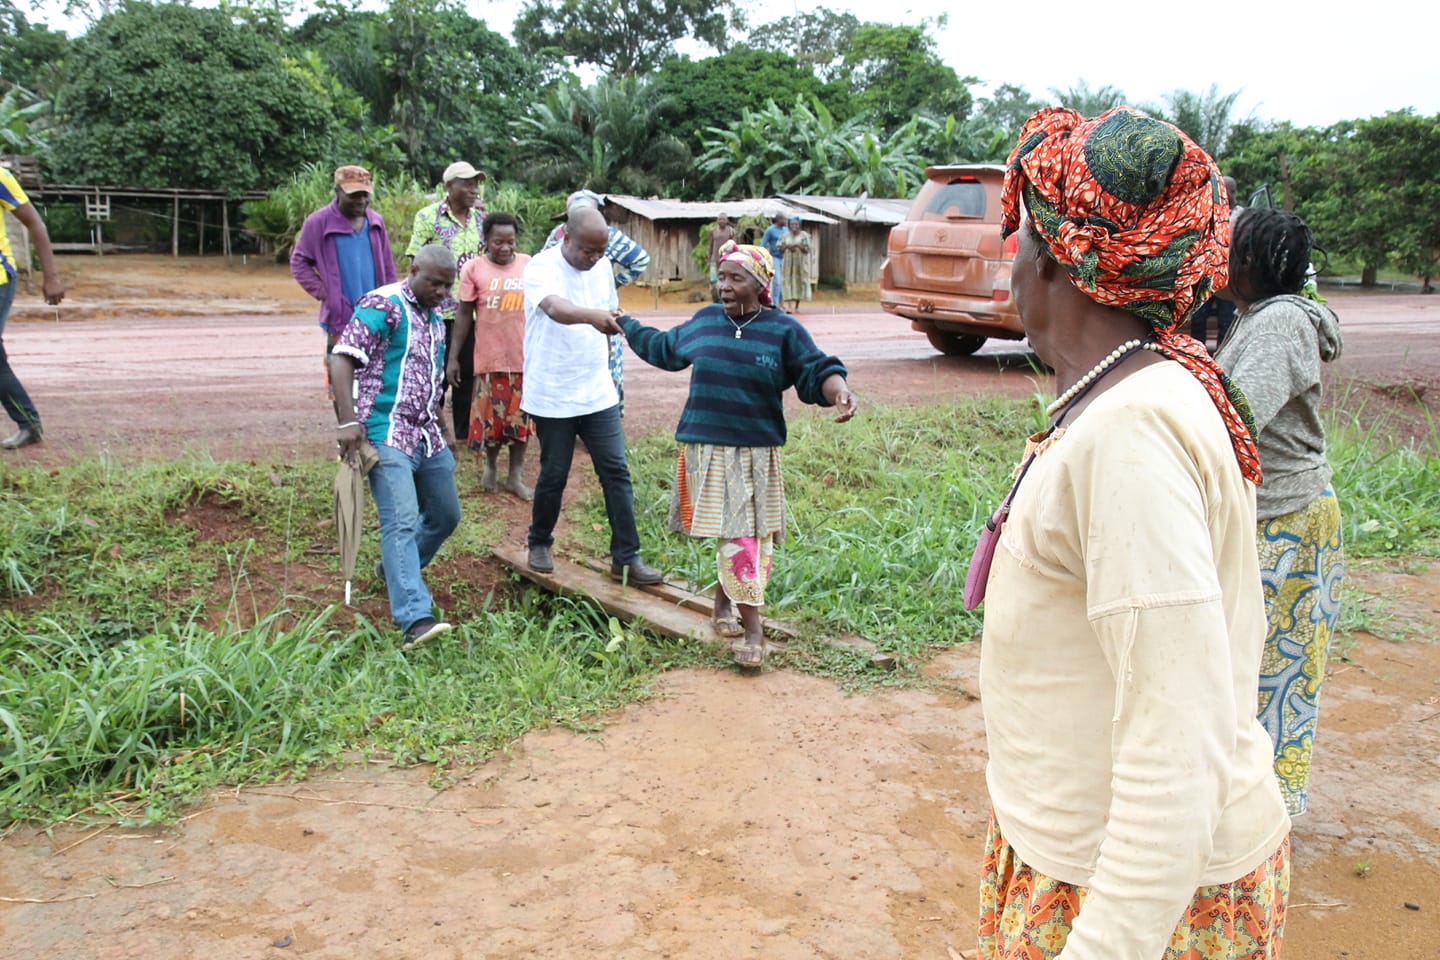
(627, 603)
(674, 609)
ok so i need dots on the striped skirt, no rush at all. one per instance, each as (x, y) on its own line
(1302, 563)
(1025, 915)
(736, 495)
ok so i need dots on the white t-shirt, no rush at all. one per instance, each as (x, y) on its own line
(567, 366)
(1124, 624)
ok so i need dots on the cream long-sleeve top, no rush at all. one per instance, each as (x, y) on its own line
(1124, 623)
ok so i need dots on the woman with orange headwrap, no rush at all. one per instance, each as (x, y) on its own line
(743, 355)
(1135, 813)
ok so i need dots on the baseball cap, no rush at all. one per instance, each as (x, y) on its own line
(353, 179)
(460, 170)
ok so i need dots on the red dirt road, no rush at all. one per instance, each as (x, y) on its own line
(236, 371)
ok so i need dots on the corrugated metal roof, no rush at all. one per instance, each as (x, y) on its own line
(652, 209)
(855, 209)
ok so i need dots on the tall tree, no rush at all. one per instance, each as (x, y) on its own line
(31, 55)
(895, 73)
(174, 96)
(1007, 108)
(1207, 117)
(817, 38)
(1090, 103)
(448, 86)
(608, 137)
(703, 93)
(624, 39)
(1380, 193)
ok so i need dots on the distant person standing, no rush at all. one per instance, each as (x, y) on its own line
(392, 347)
(570, 307)
(491, 315)
(455, 224)
(628, 260)
(343, 252)
(16, 401)
(1218, 307)
(796, 244)
(770, 240)
(722, 233)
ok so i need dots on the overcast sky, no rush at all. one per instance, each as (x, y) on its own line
(1312, 64)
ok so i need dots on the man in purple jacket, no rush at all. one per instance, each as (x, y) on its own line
(343, 252)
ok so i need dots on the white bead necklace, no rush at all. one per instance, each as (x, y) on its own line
(1116, 355)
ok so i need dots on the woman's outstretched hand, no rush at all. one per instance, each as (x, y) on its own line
(839, 395)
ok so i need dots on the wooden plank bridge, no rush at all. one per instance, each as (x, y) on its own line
(673, 610)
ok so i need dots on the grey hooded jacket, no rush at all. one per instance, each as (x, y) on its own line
(1273, 353)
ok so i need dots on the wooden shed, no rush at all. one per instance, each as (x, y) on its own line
(852, 245)
(670, 229)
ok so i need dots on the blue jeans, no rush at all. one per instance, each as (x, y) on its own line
(605, 440)
(418, 507)
(13, 396)
(776, 291)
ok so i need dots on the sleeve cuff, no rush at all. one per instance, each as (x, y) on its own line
(355, 353)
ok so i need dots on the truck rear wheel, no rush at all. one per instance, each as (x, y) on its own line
(954, 344)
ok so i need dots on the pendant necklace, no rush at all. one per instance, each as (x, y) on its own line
(741, 326)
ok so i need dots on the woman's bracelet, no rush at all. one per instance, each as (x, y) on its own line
(352, 423)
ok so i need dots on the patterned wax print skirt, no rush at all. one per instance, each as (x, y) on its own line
(737, 495)
(1302, 563)
(495, 416)
(1025, 915)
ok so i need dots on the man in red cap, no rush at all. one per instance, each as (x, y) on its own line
(343, 252)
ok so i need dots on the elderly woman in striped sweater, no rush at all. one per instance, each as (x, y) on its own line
(743, 355)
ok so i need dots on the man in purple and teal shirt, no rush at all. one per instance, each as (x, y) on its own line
(343, 251)
(393, 349)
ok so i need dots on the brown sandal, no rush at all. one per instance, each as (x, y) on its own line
(728, 627)
(750, 655)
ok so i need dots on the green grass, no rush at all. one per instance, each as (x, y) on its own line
(1386, 481)
(883, 514)
(133, 675)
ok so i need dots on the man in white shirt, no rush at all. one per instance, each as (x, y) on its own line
(570, 308)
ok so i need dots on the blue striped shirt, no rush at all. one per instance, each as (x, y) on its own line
(737, 385)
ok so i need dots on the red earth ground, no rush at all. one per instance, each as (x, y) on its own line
(730, 816)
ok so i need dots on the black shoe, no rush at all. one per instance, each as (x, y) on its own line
(423, 631)
(23, 438)
(635, 572)
(380, 570)
(540, 560)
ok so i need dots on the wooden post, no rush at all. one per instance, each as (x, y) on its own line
(99, 238)
(225, 228)
(175, 227)
(201, 250)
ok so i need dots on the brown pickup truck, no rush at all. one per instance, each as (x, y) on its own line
(946, 268)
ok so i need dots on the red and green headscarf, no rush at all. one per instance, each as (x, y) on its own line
(1135, 214)
(755, 261)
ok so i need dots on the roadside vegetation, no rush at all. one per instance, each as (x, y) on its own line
(137, 667)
